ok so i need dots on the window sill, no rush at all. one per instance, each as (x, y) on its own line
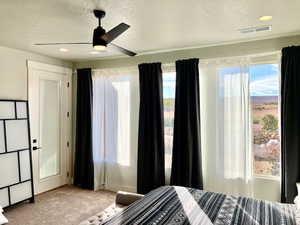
(261, 177)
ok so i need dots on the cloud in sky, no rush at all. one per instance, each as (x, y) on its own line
(264, 87)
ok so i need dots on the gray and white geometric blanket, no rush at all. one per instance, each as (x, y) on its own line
(178, 205)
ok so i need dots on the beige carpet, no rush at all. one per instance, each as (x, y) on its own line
(64, 206)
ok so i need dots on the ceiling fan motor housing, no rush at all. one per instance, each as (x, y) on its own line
(98, 37)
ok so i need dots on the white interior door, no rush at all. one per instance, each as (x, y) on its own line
(50, 119)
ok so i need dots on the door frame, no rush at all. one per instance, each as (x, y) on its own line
(33, 66)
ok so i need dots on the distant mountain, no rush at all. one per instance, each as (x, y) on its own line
(260, 100)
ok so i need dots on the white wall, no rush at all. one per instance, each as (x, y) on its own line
(13, 71)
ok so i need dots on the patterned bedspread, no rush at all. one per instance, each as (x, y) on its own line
(178, 205)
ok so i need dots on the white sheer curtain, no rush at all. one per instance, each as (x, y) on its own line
(225, 128)
(234, 139)
(115, 128)
(98, 131)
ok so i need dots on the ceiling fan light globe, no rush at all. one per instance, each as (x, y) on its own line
(99, 47)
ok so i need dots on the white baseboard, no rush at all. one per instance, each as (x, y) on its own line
(116, 188)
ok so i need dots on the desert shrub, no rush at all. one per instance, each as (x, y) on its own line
(270, 123)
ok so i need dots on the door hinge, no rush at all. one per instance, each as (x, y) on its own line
(68, 174)
(68, 114)
(68, 84)
(68, 144)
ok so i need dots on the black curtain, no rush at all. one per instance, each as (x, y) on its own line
(151, 158)
(84, 167)
(290, 122)
(186, 162)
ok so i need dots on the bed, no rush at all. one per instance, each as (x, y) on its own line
(178, 205)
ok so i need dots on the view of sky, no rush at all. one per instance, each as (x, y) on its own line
(169, 85)
(263, 80)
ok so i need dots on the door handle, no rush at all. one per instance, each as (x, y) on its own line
(34, 148)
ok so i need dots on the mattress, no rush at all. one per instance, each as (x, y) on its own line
(178, 205)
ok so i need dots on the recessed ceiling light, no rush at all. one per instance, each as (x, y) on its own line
(94, 52)
(63, 50)
(265, 18)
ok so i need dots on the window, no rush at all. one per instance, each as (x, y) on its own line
(235, 96)
(264, 92)
(169, 106)
(249, 94)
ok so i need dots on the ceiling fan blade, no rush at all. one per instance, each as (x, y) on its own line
(115, 32)
(123, 50)
(71, 43)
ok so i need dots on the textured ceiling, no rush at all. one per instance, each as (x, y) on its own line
(156, 25)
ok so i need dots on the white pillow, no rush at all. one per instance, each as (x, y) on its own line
(3, 220)
(298, 188)
(297, 202)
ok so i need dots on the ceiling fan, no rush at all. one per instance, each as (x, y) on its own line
(101, 38)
